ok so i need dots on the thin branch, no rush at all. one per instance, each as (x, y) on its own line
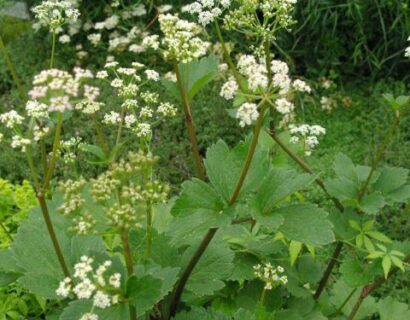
(199, 169)
(46, 215)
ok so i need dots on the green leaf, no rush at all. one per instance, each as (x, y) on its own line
(368, 244)
(386, 264)
(391, 179)
(95, 150)
(215, 266)
(342, 189)
(401, 194)
(201, 72)
(390, 309)
(344, 167)
(277, 185)
(143, 292)
(379, 236)
(294, 249)
(197, 197)
(397, 262)
(356, 274)
(224, 167)
(306, 223)
(372, 203)
(355, 225)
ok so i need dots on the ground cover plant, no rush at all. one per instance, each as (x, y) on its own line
(243, 227)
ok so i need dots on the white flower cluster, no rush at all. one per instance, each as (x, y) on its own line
(11, 119)
(257, 76)
(180, 42)
(276, 14)
(54, 13)
(55, 89)
(207, 10)
(407, 51)
(141, 108)
(247, 113)
(229, 89)
(87, 283)
(327, 103)
(306, 134)
(270, 276)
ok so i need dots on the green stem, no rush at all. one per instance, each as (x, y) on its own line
(262, 298)
(53, 49)
(43, 156)
(119, 132)
(51, 232)
(228, 58)
(56, 146)
(149, 229)
(199, 169)
(12, 70)
(129, 265)
(177, 293)
(251, 152)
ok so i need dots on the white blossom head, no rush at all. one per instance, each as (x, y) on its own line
(55, 13)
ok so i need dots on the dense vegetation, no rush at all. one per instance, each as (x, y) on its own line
(216, 160)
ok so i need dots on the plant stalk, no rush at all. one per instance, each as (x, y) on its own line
(53, 50)
(129, 264)
(199, 169)
(251, 152)
(228, 58)
(46, 215)
(149, 229)
(56, 146)
(176, 296)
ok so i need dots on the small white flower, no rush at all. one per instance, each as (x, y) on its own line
(143, 130)
(152, 75)
(89, 316)
(11, 118)
(101, 300)
(65, 38)
(229, 89)
(284, 106)
(302, 86)
(64, 288)
(102, 74)
(115, 280)
(247, 113)
(117, 83)
(85, 289)
(112, 118)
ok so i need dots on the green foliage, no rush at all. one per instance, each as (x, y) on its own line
(15, 203)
